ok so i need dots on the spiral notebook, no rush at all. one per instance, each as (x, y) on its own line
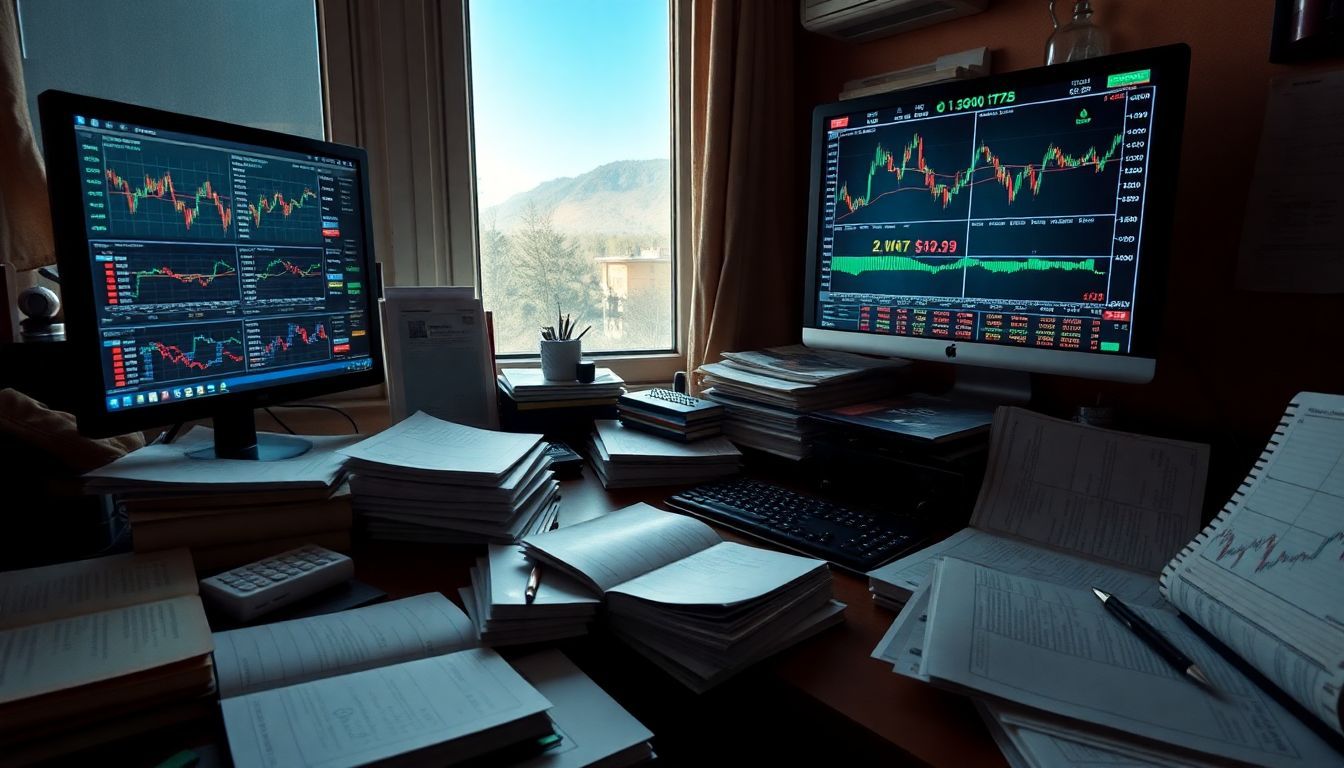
(1262, 580)
(1265, 576)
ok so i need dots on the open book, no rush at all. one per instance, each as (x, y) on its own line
(84, 642)
(1071, 504)
(701, 607)
(1263, 579)
(395, 680)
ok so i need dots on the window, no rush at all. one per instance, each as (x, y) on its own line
(257, 65)
(572, 138)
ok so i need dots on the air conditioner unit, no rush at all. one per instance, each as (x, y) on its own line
(867, 19)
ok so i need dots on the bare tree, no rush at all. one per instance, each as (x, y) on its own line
(548, 271)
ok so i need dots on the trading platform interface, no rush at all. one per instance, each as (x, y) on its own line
(1010, 217)
(219, 267)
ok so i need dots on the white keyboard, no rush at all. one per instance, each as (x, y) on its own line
(251, 590)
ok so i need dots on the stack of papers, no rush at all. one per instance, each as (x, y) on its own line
(431, 480)
(767, 393)
(1062, 680)
(95, 650)
(1057, 675)
(531, 390)
(166, 469)
(701, 608)
(230, 512)
(1072, 504)
(404, 682)
(809, 366)
(498, 606)
(597, 731)
(626, 458)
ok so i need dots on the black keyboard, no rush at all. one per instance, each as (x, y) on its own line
(854, 539)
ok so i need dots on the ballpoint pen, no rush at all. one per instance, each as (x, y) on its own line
(533, 581)
(534, 578)
(1152, 638)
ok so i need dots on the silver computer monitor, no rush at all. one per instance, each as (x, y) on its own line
(1016, 221)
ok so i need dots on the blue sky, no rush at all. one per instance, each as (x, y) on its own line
(563, 86)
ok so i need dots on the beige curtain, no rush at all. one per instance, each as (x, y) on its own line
(746, 219)
(25, 221)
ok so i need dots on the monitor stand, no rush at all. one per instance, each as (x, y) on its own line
(990, 385)
(236, 438)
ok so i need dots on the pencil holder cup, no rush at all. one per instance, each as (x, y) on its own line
(559, 357)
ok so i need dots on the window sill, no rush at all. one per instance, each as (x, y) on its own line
(657, 368)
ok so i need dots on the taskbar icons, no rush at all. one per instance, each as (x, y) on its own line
(157, 397)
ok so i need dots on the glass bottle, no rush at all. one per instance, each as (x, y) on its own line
(1077, 40)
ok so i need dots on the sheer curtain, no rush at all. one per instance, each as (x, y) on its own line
(746, 238)
(25, 222)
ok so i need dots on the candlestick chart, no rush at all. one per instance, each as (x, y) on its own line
(167, 192)
(1053, 159)
(277, 342)
(171, 354)
(164, 275)
(277, 202)
(282, 274)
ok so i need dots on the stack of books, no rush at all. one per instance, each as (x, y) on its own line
(96, 650)
(628, 458)
(498, 605)
(404, 683)
(701, 608)
(768, 393)
(529, 402)
(230, 512)
(426, 479)
(671, 414)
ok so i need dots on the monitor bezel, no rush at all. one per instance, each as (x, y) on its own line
(1173, 64)
(65, 194)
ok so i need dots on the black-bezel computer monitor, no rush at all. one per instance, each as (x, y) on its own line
(1015, 221)
(207, 269)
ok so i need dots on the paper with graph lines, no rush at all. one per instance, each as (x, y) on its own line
(1265, 577)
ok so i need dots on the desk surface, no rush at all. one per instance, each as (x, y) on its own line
(833, 669)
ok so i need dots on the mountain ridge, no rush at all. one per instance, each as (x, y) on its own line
(624, 197)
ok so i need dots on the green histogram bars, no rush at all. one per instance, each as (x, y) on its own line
(857, 265)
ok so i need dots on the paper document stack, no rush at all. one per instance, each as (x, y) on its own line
(96, 650)
(767, 393)
(701, 608)
(425, 479)
(230, 512)
(404, 681)
(1060, 676)
(497, 604)
(624, 457)
(1073, 504)
(597, 731)
(531, 390)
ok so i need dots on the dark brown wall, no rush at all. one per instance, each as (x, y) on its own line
(1230, 359)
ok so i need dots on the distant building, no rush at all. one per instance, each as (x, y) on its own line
(647, 272)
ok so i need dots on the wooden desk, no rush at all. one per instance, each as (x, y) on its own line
(831, 673)
(830, 677)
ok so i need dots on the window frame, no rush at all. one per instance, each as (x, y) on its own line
(396, 78)
(634, 366)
